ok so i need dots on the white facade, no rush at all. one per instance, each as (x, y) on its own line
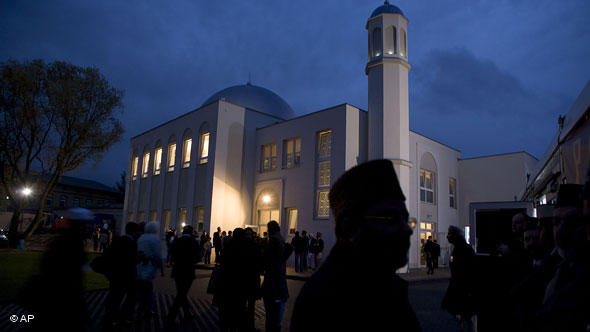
(263, 164)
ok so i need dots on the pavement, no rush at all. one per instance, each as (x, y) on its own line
(425, 292)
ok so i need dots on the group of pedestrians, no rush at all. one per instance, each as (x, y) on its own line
(308, 251)
(537, 280)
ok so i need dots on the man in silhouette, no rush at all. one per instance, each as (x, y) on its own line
(185, 254)
(217, 244)
(371, 226)
(274, 287)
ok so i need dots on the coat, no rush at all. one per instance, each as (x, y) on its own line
(122, 259)
(274, 286)
(342, 297)
(186, 252)
(458, 299)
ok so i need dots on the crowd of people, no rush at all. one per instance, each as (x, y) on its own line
(537, 280)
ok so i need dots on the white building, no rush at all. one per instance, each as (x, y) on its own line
(242, 158)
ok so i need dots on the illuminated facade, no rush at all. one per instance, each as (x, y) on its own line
(243, 158)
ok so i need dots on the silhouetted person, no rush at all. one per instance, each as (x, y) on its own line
(170, 236)
(54, 296)
(274, 287)
(299, 248)
(316, 247)
(217, 244)
(185, 254)
(305, 246)
(122, 272)
(436, 254)
(429, 253)
(371, 226)
(458, 299)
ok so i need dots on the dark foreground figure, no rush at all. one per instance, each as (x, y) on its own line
(371, 225)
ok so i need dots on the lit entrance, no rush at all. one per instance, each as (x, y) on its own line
(426, 230)
(264, 216)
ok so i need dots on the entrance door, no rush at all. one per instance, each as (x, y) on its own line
(426, 230)
(264, 216)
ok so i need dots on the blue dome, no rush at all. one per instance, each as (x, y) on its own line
(256, 98)
(386, 8)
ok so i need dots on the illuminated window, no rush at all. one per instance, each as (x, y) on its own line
(134, 167)
(269, 157)
(292, 221)
(171, 156)
(130, 216)
(452, 193)
(157, 161)
(426, 186)
(145, 165)
(200, 218)
(323, 203)
(377, 48)
(166, 220)
(204, 148)
(141, 216)
(182, 217)
(324, 174)
(186, 152)
(153, 215)
(325, 144)
(291, 152)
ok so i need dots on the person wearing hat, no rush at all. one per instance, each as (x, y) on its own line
(371, 226)
(185, 254)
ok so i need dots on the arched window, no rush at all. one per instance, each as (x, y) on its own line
(389, 41)
(187, 144)
(395, 40)
(377, 47)
(204, 136)
(404, 44)
(171, 153)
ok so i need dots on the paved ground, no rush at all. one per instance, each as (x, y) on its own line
(425, 295)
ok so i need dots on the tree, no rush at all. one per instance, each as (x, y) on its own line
(121, 184)
(53, 118)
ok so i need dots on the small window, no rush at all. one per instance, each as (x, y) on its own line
(324, 174)
(153, 215)
(134, 167)
(145, 165)
(200, 218)
(186, 152)
(141, 216)
(130, 216)
(426, 186)
(323, 203)
(291, 152)
(63, 201)
(269, 157)
(76, 202)
(171, 156)
(453, 193)
(204, 148)
(157, 161)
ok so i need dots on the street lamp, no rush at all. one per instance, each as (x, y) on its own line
(26, 191)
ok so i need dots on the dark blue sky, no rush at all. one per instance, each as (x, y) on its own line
(487, 76)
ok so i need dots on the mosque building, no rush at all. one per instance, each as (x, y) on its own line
(243, 158)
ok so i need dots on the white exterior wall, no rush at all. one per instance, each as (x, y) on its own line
(296, 186)
(492, 179)
(441, 213)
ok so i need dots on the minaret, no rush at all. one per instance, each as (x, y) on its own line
(387, 69)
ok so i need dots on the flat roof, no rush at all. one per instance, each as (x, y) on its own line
(499, 154)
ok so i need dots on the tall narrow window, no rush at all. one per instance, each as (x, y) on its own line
(204, 148)
(404, 44)
(130, 216)
(186, 152)
(141, 216)
(76, 202)
(167, 220)
(292, 220)
(453, 193)
(171, 156)
(153, 215)
(269, 157)
(395, 40)
(134, 167)
(426, 186)
(200, 218)
(157, 161)
(145, 165)
(377, 47)
(291, 152)
(182, 217)
(323, 171)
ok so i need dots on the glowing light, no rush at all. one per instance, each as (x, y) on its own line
(390, 52)
(27, 191)
(266, 199)
(183, 224)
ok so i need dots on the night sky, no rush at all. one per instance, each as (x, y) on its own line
(487, 76)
